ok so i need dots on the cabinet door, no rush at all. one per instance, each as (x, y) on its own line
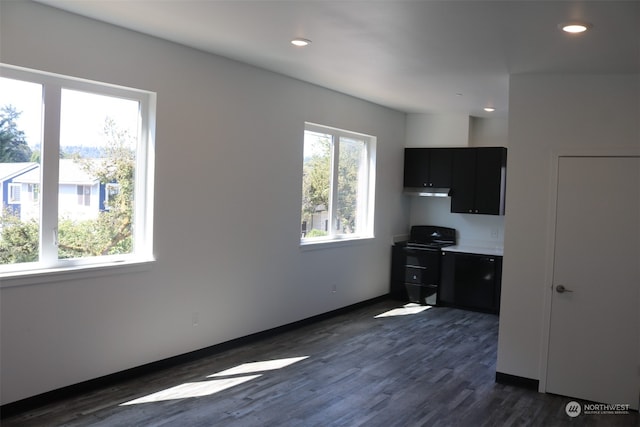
(475, 281)
(440, 165)
(471, 281)
(463, 181)
(416, 167)
(490, 180)
(396, 288)
(446, 293)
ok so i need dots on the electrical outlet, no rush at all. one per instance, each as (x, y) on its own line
(494, 233)
(195, 318)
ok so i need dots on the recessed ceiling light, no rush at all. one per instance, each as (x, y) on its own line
(489, 109)
(300, 42)
(574, 27)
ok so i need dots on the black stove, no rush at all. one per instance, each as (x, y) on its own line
(422, 261)
(431, 237)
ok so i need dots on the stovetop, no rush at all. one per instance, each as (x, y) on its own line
(431, 237)
(418, 245)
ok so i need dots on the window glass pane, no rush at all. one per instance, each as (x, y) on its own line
(351, 161)
(98, 143)
(316, 184)
(20, 141)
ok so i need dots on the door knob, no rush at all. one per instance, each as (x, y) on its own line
(561, 289)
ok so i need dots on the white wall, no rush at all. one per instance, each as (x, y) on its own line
(456, 130)
(228, 182)
(437, 130)
(548, 113)
(489, 132)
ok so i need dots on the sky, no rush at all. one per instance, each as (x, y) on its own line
(82, 115)
(24, 96)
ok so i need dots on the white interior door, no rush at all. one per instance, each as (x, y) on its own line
(595, 327)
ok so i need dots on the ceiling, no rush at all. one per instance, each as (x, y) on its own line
(423, 56)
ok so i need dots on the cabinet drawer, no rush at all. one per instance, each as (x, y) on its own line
(421, 275)
(422, 258)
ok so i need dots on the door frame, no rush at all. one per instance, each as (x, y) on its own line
(555, 157)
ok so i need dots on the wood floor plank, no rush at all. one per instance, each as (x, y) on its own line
(433, 368)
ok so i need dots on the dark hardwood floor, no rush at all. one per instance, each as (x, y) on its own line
(433, 368)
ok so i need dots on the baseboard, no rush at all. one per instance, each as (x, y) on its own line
(30, 403)
(517, 381)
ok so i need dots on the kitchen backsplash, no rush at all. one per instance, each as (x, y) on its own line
(473, 230)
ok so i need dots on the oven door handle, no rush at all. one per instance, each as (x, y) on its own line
(419, 250)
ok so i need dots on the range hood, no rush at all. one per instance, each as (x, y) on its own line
(427, 191)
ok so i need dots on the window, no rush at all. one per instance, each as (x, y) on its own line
(34, 192)
(14, 193)
(84, 195)
(111, 192)
(337, 185)
(74, 144)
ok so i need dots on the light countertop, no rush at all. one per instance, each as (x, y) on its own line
(476, 249)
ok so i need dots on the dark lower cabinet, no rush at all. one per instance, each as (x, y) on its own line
(471, 281)
(397, 289)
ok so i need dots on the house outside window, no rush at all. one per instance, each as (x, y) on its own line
(80, 137)
(338, 185)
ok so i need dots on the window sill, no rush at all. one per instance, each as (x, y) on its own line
(316, 244)
(52, 275)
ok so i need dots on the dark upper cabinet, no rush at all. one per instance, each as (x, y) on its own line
(479, 177)
(491, 180)
(463, 197)
(428, 167)
(416, 169)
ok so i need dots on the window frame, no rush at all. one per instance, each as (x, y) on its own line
(366, 199)
(34, 192)
(142, 253)
(107, 192)
(84, 196)
(15, 188)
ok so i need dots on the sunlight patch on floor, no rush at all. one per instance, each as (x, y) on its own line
(235, 376)
(197, 389)
(406, 310)
(266, 365)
